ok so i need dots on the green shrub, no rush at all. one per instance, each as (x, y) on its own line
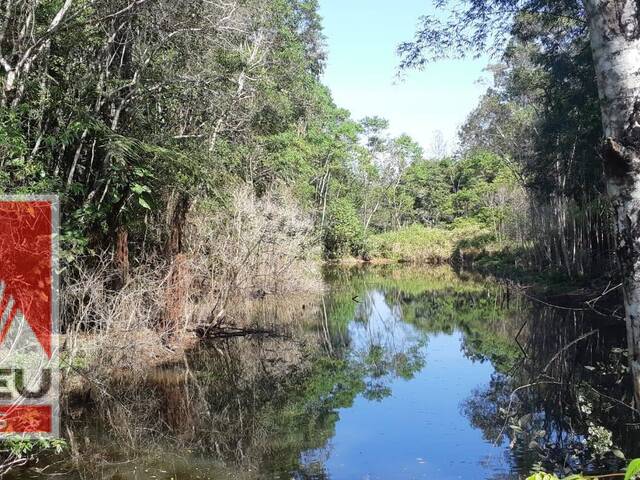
(632, 472)
(343, 233)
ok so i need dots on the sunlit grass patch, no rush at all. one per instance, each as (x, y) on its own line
(428, 245)
(413, 244)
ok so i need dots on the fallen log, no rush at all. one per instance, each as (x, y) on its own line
(212, 332)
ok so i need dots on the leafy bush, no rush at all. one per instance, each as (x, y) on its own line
(344, 233)
(632, 472)
(17, 451)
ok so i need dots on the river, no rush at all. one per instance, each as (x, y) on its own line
(395, 373)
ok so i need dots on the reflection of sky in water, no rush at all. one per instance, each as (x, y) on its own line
(419, 431)
(384, 328)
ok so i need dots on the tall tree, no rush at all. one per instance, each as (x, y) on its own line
(615, 42)
(614, 28)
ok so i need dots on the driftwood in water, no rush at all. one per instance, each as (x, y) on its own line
(211, 332)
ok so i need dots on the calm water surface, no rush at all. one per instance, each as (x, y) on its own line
(396, 373)
(419, 430)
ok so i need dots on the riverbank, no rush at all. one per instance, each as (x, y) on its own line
(475, 248)
(422, 245)
(216, 289)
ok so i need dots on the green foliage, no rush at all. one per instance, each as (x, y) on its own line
(453, 204)
(343, 233)
(459, 198)
(633, 470)
(429, 245)
(117, 140)
(22, 447)
(542, 115)
(542, 476)
(415, 243)
(429, 183)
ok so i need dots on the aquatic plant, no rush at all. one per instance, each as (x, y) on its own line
(632, 472)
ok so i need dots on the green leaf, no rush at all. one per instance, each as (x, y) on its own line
(543, 476)
(618, 453)
(525, 420)
(633, 469)
(143, 203)
(140, 189)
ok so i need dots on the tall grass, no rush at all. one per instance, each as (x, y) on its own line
(423, 245)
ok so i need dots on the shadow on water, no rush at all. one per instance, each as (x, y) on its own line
(396, 373)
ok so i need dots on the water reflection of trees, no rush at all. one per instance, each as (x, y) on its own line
(571, 378)
(567, 368)
(252, 404)
(255, 405)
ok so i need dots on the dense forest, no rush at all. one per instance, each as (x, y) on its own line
(107, 104)
(200, 161)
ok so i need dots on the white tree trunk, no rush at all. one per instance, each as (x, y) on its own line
(615, 42)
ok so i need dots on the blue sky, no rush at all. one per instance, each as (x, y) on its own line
(362, 36)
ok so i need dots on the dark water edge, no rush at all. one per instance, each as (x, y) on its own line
(396, 373)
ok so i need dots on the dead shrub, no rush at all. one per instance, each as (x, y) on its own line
(259, 247)
(257, 251)
(113, 328)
